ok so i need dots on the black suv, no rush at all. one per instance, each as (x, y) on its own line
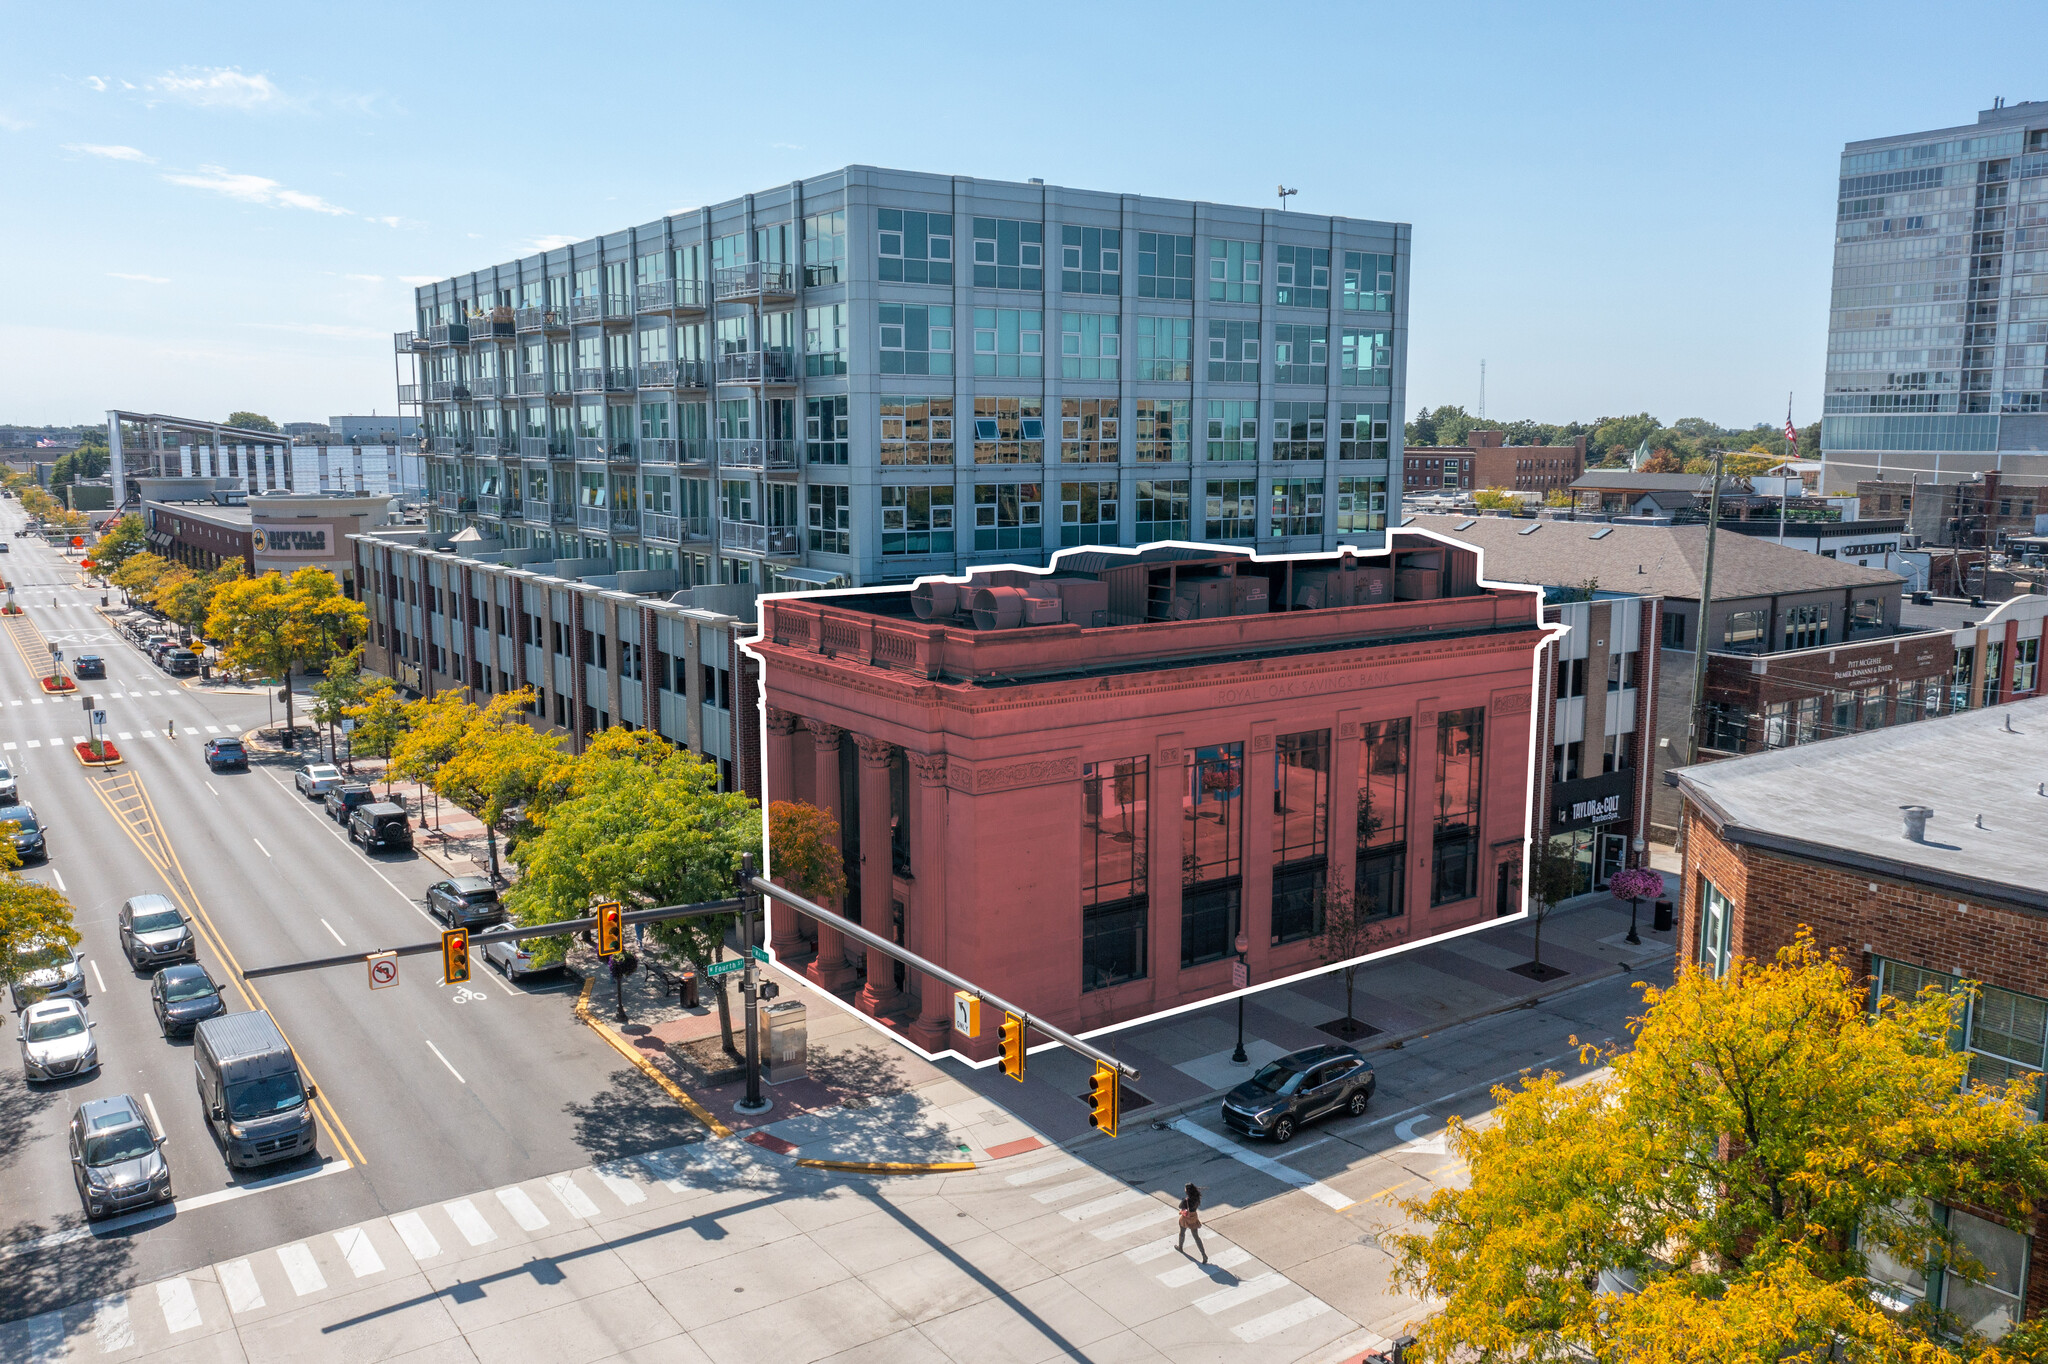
(342, 801)
(379, 827)
(1298, 1087)
(90, 665)
(180, 662)
(465, 902)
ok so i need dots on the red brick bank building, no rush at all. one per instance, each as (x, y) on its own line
(1080, 786)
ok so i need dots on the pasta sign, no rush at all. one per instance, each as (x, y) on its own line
(293, 541)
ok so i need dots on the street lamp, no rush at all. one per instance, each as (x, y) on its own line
(1242, 946)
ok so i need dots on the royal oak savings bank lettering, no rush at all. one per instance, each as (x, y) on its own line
(291, 539)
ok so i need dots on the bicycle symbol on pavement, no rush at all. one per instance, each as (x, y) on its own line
(465, 995)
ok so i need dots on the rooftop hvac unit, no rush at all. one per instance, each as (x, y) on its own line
(998, 608)
(1249, 596)
(938, 601)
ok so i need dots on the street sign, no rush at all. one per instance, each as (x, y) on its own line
(966, 1014)
(91, 702)
(725, 968)
(758, 953)
(99, 717)
(1240, 975)
(383, 971)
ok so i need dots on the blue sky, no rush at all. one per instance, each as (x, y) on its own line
(1617, 207)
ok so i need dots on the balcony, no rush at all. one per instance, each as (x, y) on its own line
(554, 320)
(531, 385)
(487, 505)
(404, 343)
(692, 374)
(529, 319)
(447, 445)
(537, 512)
(671, 296)
(785, 540)
(757, 367)
(449, 391)
(448, 334)
(657, 374)
(625, 521)
(592, 518)
(408, 394)
(669, 450)
(489, 447)
(742, 535)
(541, 447)
(763, 279)
(489, 386)
(587, 380)
(590, 448)
(757, 454)
(564, 515)
(586, 310)
(492, 326)
(618, 379)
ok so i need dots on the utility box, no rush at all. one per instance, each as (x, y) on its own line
(783, 1041)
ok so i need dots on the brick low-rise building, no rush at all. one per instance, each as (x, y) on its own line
(1921, 856)
(1082, 786)
(1485, 461)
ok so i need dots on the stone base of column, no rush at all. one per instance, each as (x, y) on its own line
(875, 1002)
(932, 1029)
(829, 969)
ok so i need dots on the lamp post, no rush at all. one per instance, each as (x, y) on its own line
(1639, 846)
(1242, 946)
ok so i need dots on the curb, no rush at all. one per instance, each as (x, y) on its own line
(890, 1167)
(646, 1067)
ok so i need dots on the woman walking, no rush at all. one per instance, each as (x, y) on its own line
(1191, 1222)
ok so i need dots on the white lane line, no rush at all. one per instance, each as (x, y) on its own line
(60, 880)
(1121, 1199)
(301, 1269)
(1060, 1191)
(330, 928)
(238, 1281)
(135, 693)
(1258, 1328)
(613, 1176)
(529, 1217)
(191, 730)
(37, 701)
(1227, 1258)
(469, 1222)
(259, 846)
(412, 1229)
(95, 968)
(154, 1121)
(181, 1310)
(1227, 1298)
(1152, 1216)
(444, 1060)
(110, 1324)
(573, 1198)
(362, 1257)
(1291, 1151)
(1314, 1188)
(202, 781)
(334, 832)
(1045, 1171)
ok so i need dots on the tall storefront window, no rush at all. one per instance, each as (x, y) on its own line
(1212, 853)
(1301, 818)
(1115, 808)
(1460, 763)
(1382, 817)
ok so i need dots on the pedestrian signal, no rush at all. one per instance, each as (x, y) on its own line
(455, 956)
(1102, 1099)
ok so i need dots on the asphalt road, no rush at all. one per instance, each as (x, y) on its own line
(426, 1091)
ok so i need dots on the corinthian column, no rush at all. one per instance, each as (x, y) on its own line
(877, 880)
(785, 931)
(828, 970)
(926, 928)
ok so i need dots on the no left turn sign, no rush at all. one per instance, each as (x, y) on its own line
(383, 971)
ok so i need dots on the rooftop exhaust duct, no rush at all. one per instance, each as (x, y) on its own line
(1916, 821)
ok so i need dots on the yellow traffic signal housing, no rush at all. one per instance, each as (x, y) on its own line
(1102, 1099)
(609, 933)
(455, 956)
(1013, 1046)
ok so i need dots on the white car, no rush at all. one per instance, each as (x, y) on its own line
(10, 785)
(316, 780)
(516, 962)
(56, 1041)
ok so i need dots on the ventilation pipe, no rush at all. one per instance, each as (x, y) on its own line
(1916, 821)
(937, 601)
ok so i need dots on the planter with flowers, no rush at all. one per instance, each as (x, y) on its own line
(97, 753)
(57, 683)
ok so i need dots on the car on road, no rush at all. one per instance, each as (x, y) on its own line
(251, 1091)
(117, 1160)
(315, 780)
(90, 665)
(516, 963)
(184, 997)
(180, 662)
(154, 933)
(46, 970)
(28, 833)
(343, 800)
(466, 902)
(227, 752)
(380, 827)
(1297, 1088)
(56, 1041)
(10, 785)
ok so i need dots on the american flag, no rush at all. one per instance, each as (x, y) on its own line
(1791, 436)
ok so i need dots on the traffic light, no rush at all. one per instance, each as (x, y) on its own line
(1102, 1099)
(455, 956)
(1013, 1046)
(609, 933)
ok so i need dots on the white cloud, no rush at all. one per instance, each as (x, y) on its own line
(139, 279)
(417, 280)
(391, 220)
(553, 242)
(9, 123)
(254, 189)
(367, 279)
(786, 146)
(95, 82)
(111, 153)
(218, 87)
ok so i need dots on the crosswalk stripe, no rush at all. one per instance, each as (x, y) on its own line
(612, 1176)
(663, 1167)
(301, 1269)
(238, 1281)
(1228, 1258)
(1152, 1216)
(44, 1335)
(1045, 1171)
(126, 735)
(234, 729)
(181, 1309)
(1121, 1199)
(1150, 1251)
(529, 1217)
(110, 1324)
(9, 747)
(1061, 1191)
(1224, 1299)
(469, 1221)
(1258, 1328)
(213, 729)
(419, 1242)
(355, 1247)
(574, 1199)
(35, 743)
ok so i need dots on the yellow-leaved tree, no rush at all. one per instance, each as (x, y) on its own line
(499, 763)
(1768, 1145)
(270, 625)
(1495, 499)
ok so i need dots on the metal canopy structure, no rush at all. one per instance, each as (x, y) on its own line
(153, 437)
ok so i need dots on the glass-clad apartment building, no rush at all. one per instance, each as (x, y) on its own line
(877, 374)
(1937, 365)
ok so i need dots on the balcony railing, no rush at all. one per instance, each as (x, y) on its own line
(625, 521)
(757, 367)
(448, 334)
(785, 540)
(491, 327)
(409, 393)
(449, 391)
(657, 373)
(670, 295)
(536, 511)
(404, 342)
(588, 380)
(565, 515)
(692, 374)
(618, 379)
(488, 447)
(758, 454)
(620, 451)
(448, 500)
(660, 526)
(742, 535)
(531, 385)
(768, 279)
(447, 445)
(487, 505)
(488, 386)
(540, 447)
(590, 447)
(591, 518)
(657, 450)
(529, 319)
(586, 310)
(555, 320)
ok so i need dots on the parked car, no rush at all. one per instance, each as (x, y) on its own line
(117, 1161)
(10, 786)
(343, 800)
(184, 997)
(226, 752)
(1297, 1088)
(28, 834)
(90, 665)
(181, 662)
(154, 933)
(379, 827)
(516, 962)
(315, 780)
(250, 1090)
(47, 970)
(56, 1041)
(466, 902)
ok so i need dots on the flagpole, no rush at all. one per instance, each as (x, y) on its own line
(1791, 454)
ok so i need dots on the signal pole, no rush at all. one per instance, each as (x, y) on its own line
(750, 992)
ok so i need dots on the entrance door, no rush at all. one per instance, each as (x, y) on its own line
(1613, 856)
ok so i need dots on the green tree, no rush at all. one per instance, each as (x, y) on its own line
(268, 625)
(251, 421)
(382, 716)
(139, 574)
(121, 541)
(340, 689)
(1765, 1136)
(1558, 497)
(87, 461)
(434, 730)
(1620, 435)
(500, 763)
(187, 597)
(1553, 878)
(1351, 929)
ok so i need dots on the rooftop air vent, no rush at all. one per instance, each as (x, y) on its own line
(1916, 821)
(937, 601)
(1601, 533)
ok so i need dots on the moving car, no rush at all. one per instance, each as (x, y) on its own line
(47, 970)
(154, 933)
(1299, 1087)
(180, 662)
(56, 1041)
(251, 1093)
(466, 902)
(116, 1160)
(184, 997)
(226, 752)
(315, 780)
(28, 835)
(343, 800)
(380, 827)
(90, 665)
(516, 962)
(10, 787)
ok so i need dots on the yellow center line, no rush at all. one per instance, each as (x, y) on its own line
(157, 850)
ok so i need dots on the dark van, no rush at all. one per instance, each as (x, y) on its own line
(251, 1093)
(380, 827)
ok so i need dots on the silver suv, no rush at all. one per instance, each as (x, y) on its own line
(154, 934)
(117, 1161)
(56, 1041)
